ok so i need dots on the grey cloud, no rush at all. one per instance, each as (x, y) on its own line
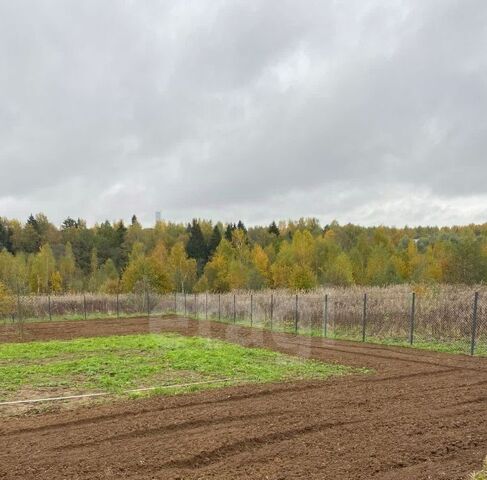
(256, 109)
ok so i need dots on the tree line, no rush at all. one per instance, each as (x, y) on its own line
(38, 257)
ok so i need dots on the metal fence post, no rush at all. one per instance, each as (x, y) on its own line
(474, 323)
(206, 305)
(251, 309)
(49, 306)
(272, 309)
(147, 299)
(296, 316)
(234, 309)
(84, 304)
(219, 307)
(325, 316)
(176, 303)
(118, 298)
(18, 303)
(364, 318)
(20, 319)
(195, 306)
(412, 318)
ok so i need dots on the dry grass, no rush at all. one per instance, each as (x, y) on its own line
(443, 314)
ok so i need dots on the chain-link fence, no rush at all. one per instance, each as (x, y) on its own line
(480, 329)
(443, 318)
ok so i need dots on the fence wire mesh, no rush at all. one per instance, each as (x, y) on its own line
(346, 314)
(446, 318)
(480, 333)
(388, 316)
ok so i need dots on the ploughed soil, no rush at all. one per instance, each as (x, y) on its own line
(421, 415)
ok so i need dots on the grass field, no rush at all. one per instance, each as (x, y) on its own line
(118, 363)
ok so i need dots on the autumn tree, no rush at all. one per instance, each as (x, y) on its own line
(7, 301)
(37, 257)
(260, 273)
(467, 263)
(109, 277)
(216, 272)
(43, 270)
(67, 268)
(14, 271)
(182, 270)
(340, 271)
(144, 272)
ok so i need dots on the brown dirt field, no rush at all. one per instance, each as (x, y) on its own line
(422, 415)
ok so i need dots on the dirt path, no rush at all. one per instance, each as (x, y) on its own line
(421, 416)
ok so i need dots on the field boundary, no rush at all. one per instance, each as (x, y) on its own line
(446, 318)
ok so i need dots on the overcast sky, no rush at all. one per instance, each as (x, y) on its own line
(363, 111)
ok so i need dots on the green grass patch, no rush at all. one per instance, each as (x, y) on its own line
(457, 347)
(118, 363)
(355, 335)
(482, 475)
(73, 317)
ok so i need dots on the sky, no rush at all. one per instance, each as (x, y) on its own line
(362, 111)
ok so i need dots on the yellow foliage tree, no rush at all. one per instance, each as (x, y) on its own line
(160, 260)
(282, 267)
(281, 273)
(143, 271)
(302, 248)
(42, 267)
(341, 271)
(237, 275)
(7, 301)
(216, 272)
(182, 270)
(67, 268)
(56, 282)
(261, 264)
(302, 278)
(13, 270)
